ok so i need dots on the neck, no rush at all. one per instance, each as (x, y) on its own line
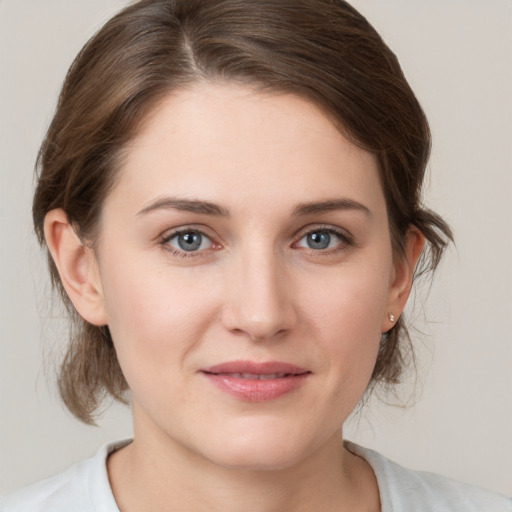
(151, 475)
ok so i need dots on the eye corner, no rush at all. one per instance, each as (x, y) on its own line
(323, 239)
(188, 241)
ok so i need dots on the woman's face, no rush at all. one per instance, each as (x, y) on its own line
(246, 273)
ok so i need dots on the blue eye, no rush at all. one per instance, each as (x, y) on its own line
(321, 239)
(189, 241)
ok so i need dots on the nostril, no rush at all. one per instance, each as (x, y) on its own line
(258, 312)
(278, 333)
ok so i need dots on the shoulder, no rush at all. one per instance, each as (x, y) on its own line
(83, 487)
(402, 489)
(59, 493)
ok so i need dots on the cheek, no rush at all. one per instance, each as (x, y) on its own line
(156, 318)
(351, 299)
(345, 314)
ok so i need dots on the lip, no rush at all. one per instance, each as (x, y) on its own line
(256, 382)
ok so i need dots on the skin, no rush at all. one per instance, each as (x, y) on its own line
(254, 290)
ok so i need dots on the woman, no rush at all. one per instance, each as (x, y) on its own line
(229, 192)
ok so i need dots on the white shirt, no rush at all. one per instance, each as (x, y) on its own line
(85, 488)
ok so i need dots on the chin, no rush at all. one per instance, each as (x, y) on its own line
(262, 450)
(257, 459)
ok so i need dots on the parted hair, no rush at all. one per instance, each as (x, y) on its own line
(322, 50)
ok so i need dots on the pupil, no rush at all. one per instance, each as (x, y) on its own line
(319, 240)
(190, 241)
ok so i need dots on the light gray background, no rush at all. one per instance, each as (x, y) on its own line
(457, 55)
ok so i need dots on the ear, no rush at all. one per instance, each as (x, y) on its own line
(77, 267)
(402, 276)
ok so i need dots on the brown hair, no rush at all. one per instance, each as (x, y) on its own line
(323, 50)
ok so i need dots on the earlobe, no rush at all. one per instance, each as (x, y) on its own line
(77, 267)
(403, 273)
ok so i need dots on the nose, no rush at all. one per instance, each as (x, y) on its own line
(258, 299)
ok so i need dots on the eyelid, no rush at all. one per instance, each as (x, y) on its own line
(169, 234)
(204, 240)
(346, 238)
(311, 228)
(185, 228)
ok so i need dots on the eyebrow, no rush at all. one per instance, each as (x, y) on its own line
(208, 208)
(329, 206)
(185, 205)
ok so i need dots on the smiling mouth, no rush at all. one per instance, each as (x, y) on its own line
(256, 382)
(253, 376)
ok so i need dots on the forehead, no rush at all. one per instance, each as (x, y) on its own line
(228, 143)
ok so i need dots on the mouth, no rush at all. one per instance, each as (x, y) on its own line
(254, 376)
(256, 382)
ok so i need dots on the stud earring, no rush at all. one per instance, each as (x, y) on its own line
(391, 317)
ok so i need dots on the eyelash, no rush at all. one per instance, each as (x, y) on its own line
(164, 242)
(346, 241)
